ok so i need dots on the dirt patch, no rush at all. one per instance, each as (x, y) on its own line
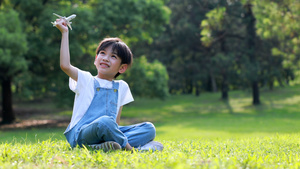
(30, 117)
(27, 124)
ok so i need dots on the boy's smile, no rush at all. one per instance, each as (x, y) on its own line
(108, 64)
(104, 65)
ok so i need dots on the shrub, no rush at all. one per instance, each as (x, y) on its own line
(147, 79)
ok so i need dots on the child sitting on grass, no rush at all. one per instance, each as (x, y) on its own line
(99, 100)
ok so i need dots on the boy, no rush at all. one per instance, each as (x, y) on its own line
(99, 100)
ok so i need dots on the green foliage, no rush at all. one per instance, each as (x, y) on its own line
(184, 35)
(279, 21)
(134, 21)
(147, 79)
(13, 44)
(214, 22)
(179, 47)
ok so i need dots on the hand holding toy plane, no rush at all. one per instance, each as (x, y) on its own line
(67, 19)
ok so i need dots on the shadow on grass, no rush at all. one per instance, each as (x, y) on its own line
(278, 113)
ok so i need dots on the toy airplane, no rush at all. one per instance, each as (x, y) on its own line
(67, 19)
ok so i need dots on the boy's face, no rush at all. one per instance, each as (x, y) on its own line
(108, 64)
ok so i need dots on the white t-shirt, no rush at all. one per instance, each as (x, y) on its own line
(84, 94)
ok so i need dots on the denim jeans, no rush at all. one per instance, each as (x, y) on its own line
(105, 128)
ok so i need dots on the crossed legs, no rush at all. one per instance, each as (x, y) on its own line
(106, 129)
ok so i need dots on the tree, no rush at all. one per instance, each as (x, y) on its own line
(221, 27)
(219, 32)
(13, 45)
(250, 39)
(147, 79)
(134, 21)
(279, 21)
(180, 49)
(272, 29)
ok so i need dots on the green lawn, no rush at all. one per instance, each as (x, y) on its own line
(197, 132)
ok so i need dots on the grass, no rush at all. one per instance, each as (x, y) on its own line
(278, 151)
(197, 132)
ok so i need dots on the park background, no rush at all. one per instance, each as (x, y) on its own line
(219, 79)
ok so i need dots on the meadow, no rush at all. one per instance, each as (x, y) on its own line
(197, 132)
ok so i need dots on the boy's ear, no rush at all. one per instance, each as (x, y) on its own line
(123, 68)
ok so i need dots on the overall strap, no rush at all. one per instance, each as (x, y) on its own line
(96, 84)
(115, 85)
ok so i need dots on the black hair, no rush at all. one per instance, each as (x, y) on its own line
(118, 47)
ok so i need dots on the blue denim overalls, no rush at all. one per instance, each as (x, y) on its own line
(99, 123)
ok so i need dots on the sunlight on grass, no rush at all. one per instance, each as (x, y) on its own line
(197, 132)
(291, 101)
(241, 105)
(278, 151)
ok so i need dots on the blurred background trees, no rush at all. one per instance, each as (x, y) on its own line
(179, 46)
(12, 61)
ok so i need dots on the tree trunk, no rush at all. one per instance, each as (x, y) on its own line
(251, 35)
(197, 89)
(271, 83)
(213, 82)
(224, 88)
(8, 115)
(255, 93)
(189, 86)
(224, 84)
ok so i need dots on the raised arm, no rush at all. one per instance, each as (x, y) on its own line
(65, 64)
